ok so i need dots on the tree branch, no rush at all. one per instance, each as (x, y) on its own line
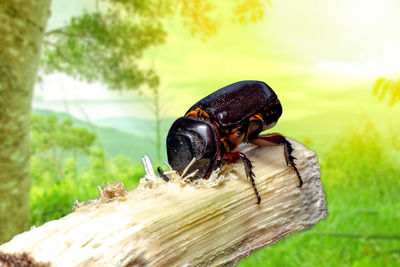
(214, 222)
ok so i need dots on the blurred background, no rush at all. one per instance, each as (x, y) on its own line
(115, 74)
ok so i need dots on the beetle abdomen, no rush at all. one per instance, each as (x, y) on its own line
(237, 102)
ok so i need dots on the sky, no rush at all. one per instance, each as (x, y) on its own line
(321, 57)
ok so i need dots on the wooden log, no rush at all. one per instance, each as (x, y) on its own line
(213, 222)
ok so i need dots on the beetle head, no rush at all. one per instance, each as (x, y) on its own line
(191, 138)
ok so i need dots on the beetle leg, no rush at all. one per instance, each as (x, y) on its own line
(162, 175)
(275, 139)
(248, 167)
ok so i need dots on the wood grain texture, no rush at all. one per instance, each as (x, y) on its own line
(210, 223)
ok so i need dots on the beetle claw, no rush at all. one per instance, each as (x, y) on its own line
(290, 160)
(248, 167)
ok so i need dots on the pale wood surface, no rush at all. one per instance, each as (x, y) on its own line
(213, 223)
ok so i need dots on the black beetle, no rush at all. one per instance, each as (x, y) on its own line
(213, 128)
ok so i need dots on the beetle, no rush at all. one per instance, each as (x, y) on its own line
(214, 127)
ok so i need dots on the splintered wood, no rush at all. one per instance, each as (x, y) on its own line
(213, 222)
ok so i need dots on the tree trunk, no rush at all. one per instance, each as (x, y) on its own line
(215, 222)
(22, 25)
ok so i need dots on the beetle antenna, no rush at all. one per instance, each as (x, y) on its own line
(162, 175)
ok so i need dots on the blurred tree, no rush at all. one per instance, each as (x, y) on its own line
(56, 182)
(22, 30)
(157, 120)
(384, 86)
(51, 140)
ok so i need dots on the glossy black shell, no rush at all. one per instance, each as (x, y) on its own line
(191, 138)
(231, 105)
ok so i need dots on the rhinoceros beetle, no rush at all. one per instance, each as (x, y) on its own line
(214, 127)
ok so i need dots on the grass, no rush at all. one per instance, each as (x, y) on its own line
(361, 182)
(362, 229)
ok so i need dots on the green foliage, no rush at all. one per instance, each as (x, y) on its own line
(54, 199)
(48, 134)
(250, 11)
(113, 141)
(386, 87)
(360, 178)
(51, 140)
(104, 47)
(50, 201)
(56, 179)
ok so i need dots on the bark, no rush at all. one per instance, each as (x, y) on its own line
(215, 222)
(22, 25)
